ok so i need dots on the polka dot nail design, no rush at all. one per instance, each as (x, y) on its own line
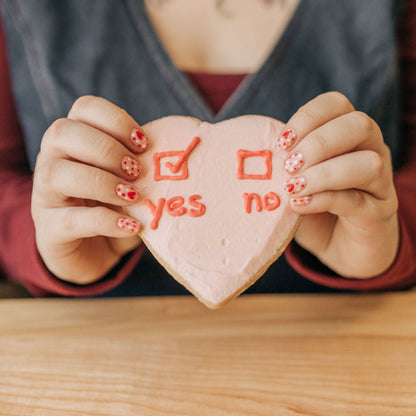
(139, 139)
(301, 201)
(294, 163)
(286, 140)
(128, 225)
(126, 192)
(295, 185)
(131, 166)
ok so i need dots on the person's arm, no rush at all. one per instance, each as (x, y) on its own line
(19, 258)
(402, 273)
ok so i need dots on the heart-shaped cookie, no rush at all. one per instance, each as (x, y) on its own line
(212, 204)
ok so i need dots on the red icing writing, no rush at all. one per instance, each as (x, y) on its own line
(181, 164)
(155, 211)
(201, 208)
(184, 156)
(156, 162)
(244, 154)
(270, 202)
(270, 206)
(175, 207)
(247, 202)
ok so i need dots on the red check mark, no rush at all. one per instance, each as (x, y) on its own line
(184, 156)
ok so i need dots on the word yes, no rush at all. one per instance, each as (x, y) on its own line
(175, 207)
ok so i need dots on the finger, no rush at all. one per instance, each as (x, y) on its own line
(315, 113)
(351, 203)
(340, 203)
(83, 222)
(349, 132)
(71, 139)
(62, 178)
(363, 170)
(111, 119)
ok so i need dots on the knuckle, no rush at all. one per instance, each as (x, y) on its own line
(100, 217)
(324, 170)
(358, 198)
(68, 222)
(105, 150)
(307, 115)
(363, 121)
(386, 154)
(332, 198)
(381, 210)
(393, 204)
(376, 163)
(46, 174)
(95, 180)
(80, 104)
(40, 160)
(320, 143)
(340, 100)
(119, 118)
(386, 151)
(53, 133)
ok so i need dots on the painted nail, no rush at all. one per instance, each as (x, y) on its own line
(139, 139)
(126, 192)
(131, 166)
(128, 225)
(295, 185)
(301, 202)
(287, 139)
(294, 163)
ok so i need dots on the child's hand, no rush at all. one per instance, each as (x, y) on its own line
(342, 180)
(81, 183)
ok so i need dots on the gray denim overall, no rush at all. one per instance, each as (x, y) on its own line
(62, 49)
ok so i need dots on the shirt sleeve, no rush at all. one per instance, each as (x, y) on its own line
(19, 258)
(402, 273)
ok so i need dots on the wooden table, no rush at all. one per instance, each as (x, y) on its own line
(320, 355)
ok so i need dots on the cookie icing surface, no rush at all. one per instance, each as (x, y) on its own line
(212, 204)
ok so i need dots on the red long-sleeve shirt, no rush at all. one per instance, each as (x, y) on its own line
(20, 260)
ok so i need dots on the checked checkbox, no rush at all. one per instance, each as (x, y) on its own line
(180, 166)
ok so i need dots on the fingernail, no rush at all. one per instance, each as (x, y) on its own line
(287, 139)
(126, 192)
(128, 225)
(301, 202)
(131, 166)
(295, 185)
(294, 163)
(139, 139)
